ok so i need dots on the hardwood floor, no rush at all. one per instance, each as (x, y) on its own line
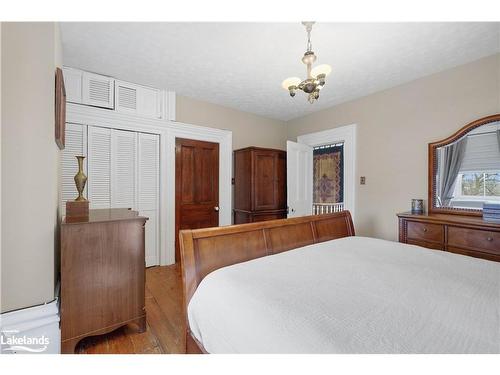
(165, 320)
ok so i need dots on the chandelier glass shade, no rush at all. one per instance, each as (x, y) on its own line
(316, 77)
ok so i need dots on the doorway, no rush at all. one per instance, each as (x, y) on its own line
(196, 186)
(300, 172)
(328, 178)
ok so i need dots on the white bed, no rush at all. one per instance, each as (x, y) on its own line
(351, 295)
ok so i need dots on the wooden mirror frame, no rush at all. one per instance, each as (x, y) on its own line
(433, 167)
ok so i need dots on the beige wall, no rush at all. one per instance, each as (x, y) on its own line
(30, 175)
(248, 129)
(394, 128)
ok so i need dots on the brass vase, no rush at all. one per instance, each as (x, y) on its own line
(80, 180)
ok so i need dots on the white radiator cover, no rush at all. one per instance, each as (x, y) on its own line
(32, 330)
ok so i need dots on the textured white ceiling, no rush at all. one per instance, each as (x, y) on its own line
(242, 65)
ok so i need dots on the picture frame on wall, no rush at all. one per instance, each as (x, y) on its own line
(60, 109)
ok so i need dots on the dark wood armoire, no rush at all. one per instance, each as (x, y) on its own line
(259, 184)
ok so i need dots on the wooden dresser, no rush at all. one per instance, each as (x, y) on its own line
(259, 185)
(468, 235)
(102, 274)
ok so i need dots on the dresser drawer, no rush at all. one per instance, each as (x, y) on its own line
(425, 232)
(480, 240)
(476, 254)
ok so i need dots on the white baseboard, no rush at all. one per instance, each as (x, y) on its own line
(31, 330)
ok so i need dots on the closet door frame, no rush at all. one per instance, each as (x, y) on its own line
(168, 131)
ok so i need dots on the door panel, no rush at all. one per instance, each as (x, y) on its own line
(205, 192)
(186, 174)
(99, 167)
(123, 169)
(299, 179)
(196, 186)
(265, 187)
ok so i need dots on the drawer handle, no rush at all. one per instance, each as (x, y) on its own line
(490, 239)
(425, 229)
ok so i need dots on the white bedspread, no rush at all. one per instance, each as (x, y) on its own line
(351, 295)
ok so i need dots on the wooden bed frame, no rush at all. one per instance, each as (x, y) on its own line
(205, 250)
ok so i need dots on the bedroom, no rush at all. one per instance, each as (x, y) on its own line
(162, 166)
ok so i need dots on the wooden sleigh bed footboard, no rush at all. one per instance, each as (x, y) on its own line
(206, 250)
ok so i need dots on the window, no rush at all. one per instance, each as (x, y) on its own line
(479, 184)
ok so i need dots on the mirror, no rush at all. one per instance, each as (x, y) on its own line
(464, 169)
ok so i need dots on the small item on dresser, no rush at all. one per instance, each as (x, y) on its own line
(80, 179)
(417, 206)
(77, 209)
(491, 211)
(80, 206)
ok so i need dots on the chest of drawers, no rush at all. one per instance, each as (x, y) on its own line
(467, 235)
(102, 274)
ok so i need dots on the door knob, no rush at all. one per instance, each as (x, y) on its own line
(216, 208)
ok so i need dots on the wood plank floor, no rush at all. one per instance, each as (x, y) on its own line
(164, 315)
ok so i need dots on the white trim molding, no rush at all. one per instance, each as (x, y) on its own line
(224, 139)
(31, 330)
(168, 131)
(346, 134)
(170, 100)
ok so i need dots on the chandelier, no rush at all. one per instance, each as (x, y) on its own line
(315, 76)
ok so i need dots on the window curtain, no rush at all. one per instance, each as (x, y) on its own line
(498, 138)
(452, 157)
(328, 174)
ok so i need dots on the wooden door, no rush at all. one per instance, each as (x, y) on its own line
(196, 186)
(269, 180)
(265, 187)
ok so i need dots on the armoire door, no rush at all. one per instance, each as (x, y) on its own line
(196, 186)
(268, 180)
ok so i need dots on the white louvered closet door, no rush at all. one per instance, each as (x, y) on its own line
(148, 194)
(123, 169)
(75, 145)
(99, 167)
(123, 172)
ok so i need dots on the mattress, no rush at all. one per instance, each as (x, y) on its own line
(351, 295)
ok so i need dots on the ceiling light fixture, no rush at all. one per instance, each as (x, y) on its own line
(315, 76)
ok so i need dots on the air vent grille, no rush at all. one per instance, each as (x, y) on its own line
(99, 90)
(127, 97)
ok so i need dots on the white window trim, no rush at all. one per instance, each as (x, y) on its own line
(347, 135)
(168, 131)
